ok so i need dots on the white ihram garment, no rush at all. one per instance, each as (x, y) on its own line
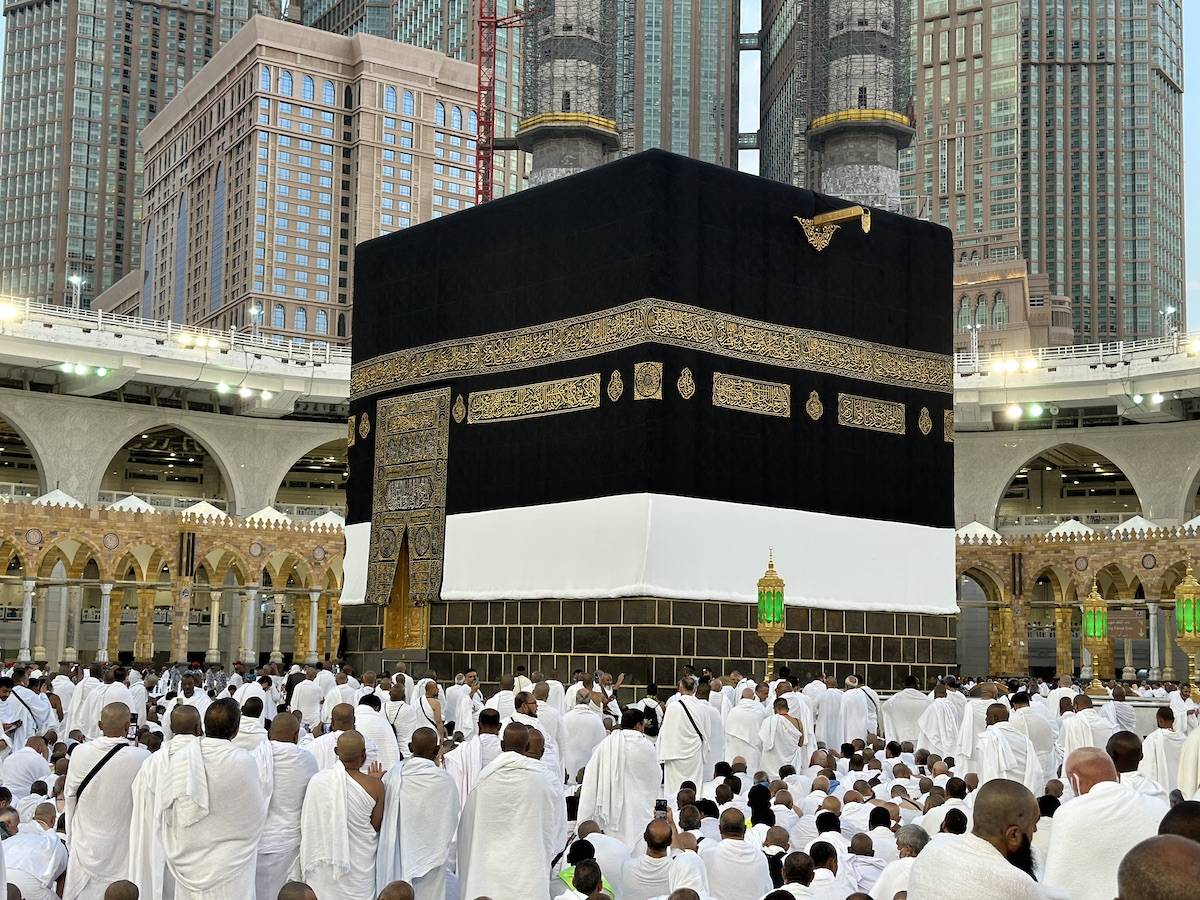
(583, 730)
(620, 784)
(859, 715)
(957, 868)
(287, 770)
(338, 843)
(510, 815)
(198, 807)
(1036, 727)
(1005, 752)
(99, 851)
(829, 717)
(34, 860)
(420, 817)
(780, 744)
(681, 743)
(1162, 751)
(736, 869)
(938, 727)
(1087, 728)
(742, 733)
(901, 712)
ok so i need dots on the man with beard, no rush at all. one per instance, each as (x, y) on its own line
(998, 852)
(1106, 817)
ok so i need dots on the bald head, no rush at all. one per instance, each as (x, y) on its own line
(114, 720)
(1087, 767)
(47, 814)
(397, 890)
(1183, 820)
(121, 890)
(997, 712)
(1166, 867)
(285, 729)
(515, 738)
(1082, 702)
(297, 890)
(537, 744)
(351, 749)
(185, 720)
(1002, 806)
(341, 717)
(424, 743)
(658, 837)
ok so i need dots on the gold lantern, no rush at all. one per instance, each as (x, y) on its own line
(771, 625)
(1187, 620)
(1095, 638)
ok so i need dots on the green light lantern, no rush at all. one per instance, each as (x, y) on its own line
(1095, 638)
(1187, 620)
(771, 625)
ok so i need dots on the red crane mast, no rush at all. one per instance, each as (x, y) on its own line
(485, 141)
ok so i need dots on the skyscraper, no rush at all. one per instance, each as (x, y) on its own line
(451, 26)
(81, 78)
(1050, 140)
(677, 77)
(289, 148)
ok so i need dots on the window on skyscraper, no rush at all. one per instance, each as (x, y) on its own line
(389, 99)
(264, 79)
(309, 88)
(285, 83)
(439, 114)
(329, 96)
(410, 104)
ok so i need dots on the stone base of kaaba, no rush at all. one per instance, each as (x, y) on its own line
(649, 640)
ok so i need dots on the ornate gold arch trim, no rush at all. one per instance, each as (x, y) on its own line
(652, 321)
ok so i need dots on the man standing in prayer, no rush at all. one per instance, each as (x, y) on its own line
(782, 737)
(504, 700)
(307, 697)
(997, 853)
(420, 818)
(1125, 750)
(1035, 727)
(1005, 752)
(251, 732)
(429, 707)
(742, 727)
(466, 762)
(902, 711)
(73, 716)
(189, 695)
(1095, 829)
(1162, 751)
(286, 770)
(1187, 713)
(938, 725)
(35, 858)
(549, 714)
(339, 824)
(681, 740)
(621, 781)
(1087, 728)
(324, 748)
(464, 702)
(375, 729)
(25, 766)
(829, 715)
(583, 730)
(510, 815)
(198, 805)
(99, 851)
(859, 713)
(341, 692)
(138, 695)
(401, 715)
(736, 867)
(1119, 712)
(525, 711)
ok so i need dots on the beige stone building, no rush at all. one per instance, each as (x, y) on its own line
(287, 149)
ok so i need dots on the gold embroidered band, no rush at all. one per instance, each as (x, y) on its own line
(877, 415)
(527, 401)
(652, 321)
(767, 398)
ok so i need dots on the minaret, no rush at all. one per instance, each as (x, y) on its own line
(864, 120)
(569, 122)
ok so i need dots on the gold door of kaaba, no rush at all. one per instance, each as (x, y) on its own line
(408, 521)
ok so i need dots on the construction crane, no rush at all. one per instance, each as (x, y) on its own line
(485, 140)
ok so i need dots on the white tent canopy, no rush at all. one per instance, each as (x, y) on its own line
(56, 498)
(1133, 526)
(977, 530)
(1071, 526)
(330, 518)
(132, 503)
(204, 510)
(268, 514)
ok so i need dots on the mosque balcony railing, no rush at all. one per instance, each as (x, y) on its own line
(162, 501)
(1109, 354)
(1042, 522)
(13, 490)
(17, 311)
(303, 512)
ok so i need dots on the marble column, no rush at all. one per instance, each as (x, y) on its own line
(1064, 658)
(1155, 662)
(335, 626)
(43, 612)
(113, 636)
(181, 620)
(213, 654)
(28, 587)
(314, 598)
(105, 616)
(1128, 673)
(1168, 652)
(143, 642)
(69, 636)
(277, 631)
(250, 637)
(64, 604)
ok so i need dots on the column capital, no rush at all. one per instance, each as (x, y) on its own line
(251, 592)
(314, 594)
(29, 584)
(106, 588)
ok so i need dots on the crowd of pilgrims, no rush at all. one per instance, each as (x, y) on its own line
(313, 783)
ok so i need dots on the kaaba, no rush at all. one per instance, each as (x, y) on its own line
(583, 415)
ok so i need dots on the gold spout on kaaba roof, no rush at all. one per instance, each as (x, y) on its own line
(820, 228)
